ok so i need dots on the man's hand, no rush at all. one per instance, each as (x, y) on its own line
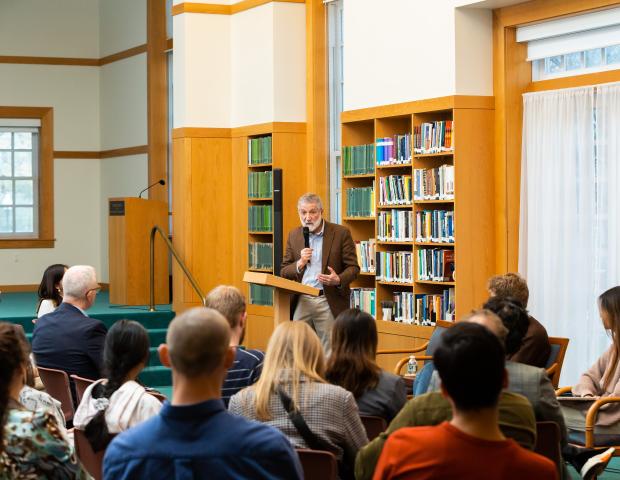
(332, 280)
(306, 256)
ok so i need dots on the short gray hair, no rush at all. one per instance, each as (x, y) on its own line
(78, 280)
(490, 320)
(309, 198)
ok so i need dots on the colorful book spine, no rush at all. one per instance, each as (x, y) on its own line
(429, 308)
(436, 264)
(395, 190)
(358, 160)
(260, 256)
(364, 299)
(395, 150)
(434, 183)
(395, 226)
(433, 137)
(366, 251)
(435, 226)
(395, 267)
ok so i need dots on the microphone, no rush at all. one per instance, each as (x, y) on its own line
(306, 231)
(160, 182)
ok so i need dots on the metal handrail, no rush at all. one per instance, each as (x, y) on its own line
(187, 273)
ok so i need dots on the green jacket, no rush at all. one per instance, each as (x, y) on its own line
(516, 420)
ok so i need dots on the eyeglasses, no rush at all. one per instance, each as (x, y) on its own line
(312, 213)
(96, 290)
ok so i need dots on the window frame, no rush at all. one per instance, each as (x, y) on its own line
(45, 184)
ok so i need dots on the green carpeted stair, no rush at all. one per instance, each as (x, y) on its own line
(20, 307)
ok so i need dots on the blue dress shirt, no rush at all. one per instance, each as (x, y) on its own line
(200, 441)
(313, 269)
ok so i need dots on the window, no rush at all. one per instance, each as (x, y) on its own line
(26, 178)
(19, 154)
(336, 89)
(577, 63)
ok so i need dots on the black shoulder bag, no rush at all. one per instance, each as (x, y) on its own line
(345, 472)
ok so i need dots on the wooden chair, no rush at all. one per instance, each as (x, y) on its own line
(56, 383)
(91, 460)
(559, 346)
(373, 425)
(590, 440)
(81, 384)
(318, 464)
(548, 443)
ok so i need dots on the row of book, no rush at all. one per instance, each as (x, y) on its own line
(435, 226)
(395, 190)
(259, 150)
(366, 251)
(395, 226)
(430, 308)
(260, 184)
(394, 150)
(395, 267)
(360, 202)
(364, 299)
(260, 255)
(261, 295)
(434, 183)
(358, 160)
(433, 137)
(260, 218)
(436, 264)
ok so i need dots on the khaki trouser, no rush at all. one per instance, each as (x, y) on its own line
(315, 312)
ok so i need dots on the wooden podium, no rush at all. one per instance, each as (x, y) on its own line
(130, 222)
(283, 289)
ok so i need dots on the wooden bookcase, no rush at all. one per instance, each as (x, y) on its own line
(472, 158)
(288, 154)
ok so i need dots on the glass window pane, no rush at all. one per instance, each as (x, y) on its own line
(23, 192)
(6, 220)
(554, 64)
(24, 220)
(23, 164)
(573, 61)
(6, 192)
(6, 169)
(594, 57)
(612, 54)
(5, 140)
(23, 140)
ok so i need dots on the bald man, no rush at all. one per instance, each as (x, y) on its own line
(194, 436)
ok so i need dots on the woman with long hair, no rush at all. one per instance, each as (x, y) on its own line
(118, 402)
(31, 444)
(352, 366)
(295, 365)
(603, 378)
(50, 289)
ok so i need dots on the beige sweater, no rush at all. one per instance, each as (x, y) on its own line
(591, 383)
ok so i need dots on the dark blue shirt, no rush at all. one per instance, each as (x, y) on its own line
(200, 441)
(244, 372)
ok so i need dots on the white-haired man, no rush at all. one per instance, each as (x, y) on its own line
(67, 339)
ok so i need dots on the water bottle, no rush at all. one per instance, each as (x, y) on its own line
(412, 366)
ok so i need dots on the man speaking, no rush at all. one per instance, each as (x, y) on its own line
(322, 255)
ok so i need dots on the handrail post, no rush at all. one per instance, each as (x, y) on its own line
(152, 270)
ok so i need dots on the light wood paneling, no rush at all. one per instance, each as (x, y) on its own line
(597, 78)
(258, 331)
(394, 336)
(157, 98)
(197, 132)
(115, 57)
(267, 128)
(217, 9)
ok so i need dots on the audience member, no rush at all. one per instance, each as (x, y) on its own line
(118, 402)
(352, 366)
(603, 378)
(535, 348)
(470, 362)
(248, 364)
(50, 289)
(68, 339)
(194, 436)
(31, 443)
(294, 370)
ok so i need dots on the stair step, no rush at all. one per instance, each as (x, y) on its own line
(152, 376)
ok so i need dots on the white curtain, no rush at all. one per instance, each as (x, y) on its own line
(569, 206)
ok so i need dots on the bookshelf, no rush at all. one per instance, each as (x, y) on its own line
(432, 206)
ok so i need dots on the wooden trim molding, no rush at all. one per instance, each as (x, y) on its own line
(130, 52)
(82, 155)
(74, 62)
(576, 81)
(218, 9)
(245, 131)
(90, 154)
(125, 151)
(512, 78)
(19, 288)
(46, 176)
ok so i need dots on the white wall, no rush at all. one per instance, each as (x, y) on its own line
(122, 25)
(474, 51)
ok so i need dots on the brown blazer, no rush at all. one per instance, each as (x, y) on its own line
(338, 253)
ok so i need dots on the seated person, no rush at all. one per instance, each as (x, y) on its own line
(535, 348)
(470, 362)
(295, 364)
(352, 365)
(118, 402)
(31, 443)
(248, 363)
(194, 436)
(50, 289)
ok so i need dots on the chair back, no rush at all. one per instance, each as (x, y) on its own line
(318, 464)
(435, 339)
(91, 460)
(548, 442)
(373, 426)
(81, 384)
(56, 383)
(559, 345)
